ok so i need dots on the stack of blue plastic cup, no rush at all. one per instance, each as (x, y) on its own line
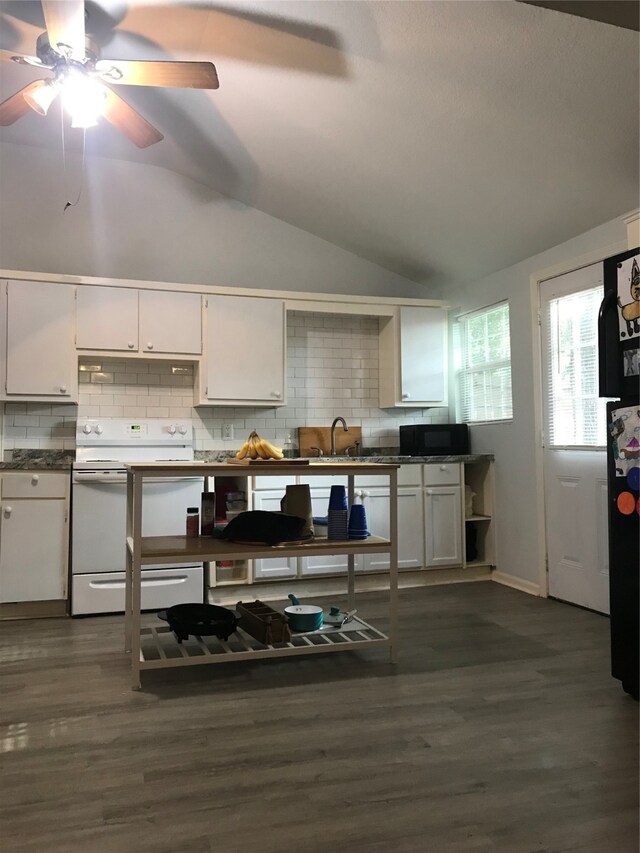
(337, 513)
(358, 522)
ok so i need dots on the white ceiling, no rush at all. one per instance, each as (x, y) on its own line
(441, 140)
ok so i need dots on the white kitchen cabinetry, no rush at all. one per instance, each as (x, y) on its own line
(34, 536)
(37, 346)
(443, 533)
(139, 321)
(413, 358)
(244, 364)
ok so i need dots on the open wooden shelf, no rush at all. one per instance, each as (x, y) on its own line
(159, 647)
(181, 549)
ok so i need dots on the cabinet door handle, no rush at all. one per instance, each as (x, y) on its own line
(7, 511)
(63, 389)
(149, 345)
(429, 491)
(130, 344)
(443, 467)
(276, 394)
(406, 396)
(35, 479)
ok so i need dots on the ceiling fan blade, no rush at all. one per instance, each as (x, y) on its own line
(619, 13)
(181, 75)
(65, 25)
(9, 56)
(15, 107)
(131, 123)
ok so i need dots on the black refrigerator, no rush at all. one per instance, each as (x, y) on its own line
(619, 375)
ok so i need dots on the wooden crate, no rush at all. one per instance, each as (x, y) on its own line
(263, 622)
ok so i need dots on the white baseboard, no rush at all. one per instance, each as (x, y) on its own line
(516, 582)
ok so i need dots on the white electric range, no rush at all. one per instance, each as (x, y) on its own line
(98, 513)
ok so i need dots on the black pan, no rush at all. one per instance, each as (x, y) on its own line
(201, 620)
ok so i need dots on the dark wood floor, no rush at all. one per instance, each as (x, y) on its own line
(499, 730)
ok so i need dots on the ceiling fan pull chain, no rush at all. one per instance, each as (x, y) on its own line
(64, 165)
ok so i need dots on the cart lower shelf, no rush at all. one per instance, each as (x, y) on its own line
(159, 647)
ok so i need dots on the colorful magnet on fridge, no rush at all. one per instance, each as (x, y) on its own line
(626, 503)
(633, 478)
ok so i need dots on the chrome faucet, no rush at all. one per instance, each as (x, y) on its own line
(333, 433)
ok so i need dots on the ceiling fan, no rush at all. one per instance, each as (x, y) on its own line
(84, 80)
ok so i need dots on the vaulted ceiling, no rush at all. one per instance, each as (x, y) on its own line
(441, 140)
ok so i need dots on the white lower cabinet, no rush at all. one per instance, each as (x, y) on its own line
(442, 526)
(410, 528)
(443, 533)
(278, 567)
(326, 564)
(34, 536)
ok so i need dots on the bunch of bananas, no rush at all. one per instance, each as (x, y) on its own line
(259, 448)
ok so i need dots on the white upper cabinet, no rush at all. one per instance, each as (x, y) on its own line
(170, 322)
(413, 358)
(124, 319)
(38, 328)
(107, 318)
(245, 352)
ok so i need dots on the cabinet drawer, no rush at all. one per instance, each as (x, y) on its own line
(442, 474)
(261, 484)
(410, 475)
(35, 484)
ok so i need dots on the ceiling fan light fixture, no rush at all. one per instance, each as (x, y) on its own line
(40, 99)
(84, 99)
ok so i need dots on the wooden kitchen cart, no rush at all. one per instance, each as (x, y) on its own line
(156, 647)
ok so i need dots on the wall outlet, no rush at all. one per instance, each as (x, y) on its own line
(227, 430)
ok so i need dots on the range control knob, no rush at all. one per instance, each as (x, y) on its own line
(182, 429)
(171, 429)
(99, 429)
(86, 429)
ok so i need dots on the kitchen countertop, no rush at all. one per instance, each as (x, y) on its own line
(62, 460)
(383, 458)
(36, 460)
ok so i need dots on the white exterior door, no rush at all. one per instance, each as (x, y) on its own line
(574, 440)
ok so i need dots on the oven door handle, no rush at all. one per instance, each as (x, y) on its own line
(92, 477)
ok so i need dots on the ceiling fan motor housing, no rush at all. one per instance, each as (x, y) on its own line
(49, 56)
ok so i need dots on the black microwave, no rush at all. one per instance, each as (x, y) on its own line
(434, 440)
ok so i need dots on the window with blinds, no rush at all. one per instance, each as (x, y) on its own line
(484, 365)
(576, 415)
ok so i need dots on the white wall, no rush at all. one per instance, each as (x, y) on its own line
(514, 443)
(142, 222)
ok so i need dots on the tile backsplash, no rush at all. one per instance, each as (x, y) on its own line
(332, 370)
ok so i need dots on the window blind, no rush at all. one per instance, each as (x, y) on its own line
(575, 414)
(484, 373)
